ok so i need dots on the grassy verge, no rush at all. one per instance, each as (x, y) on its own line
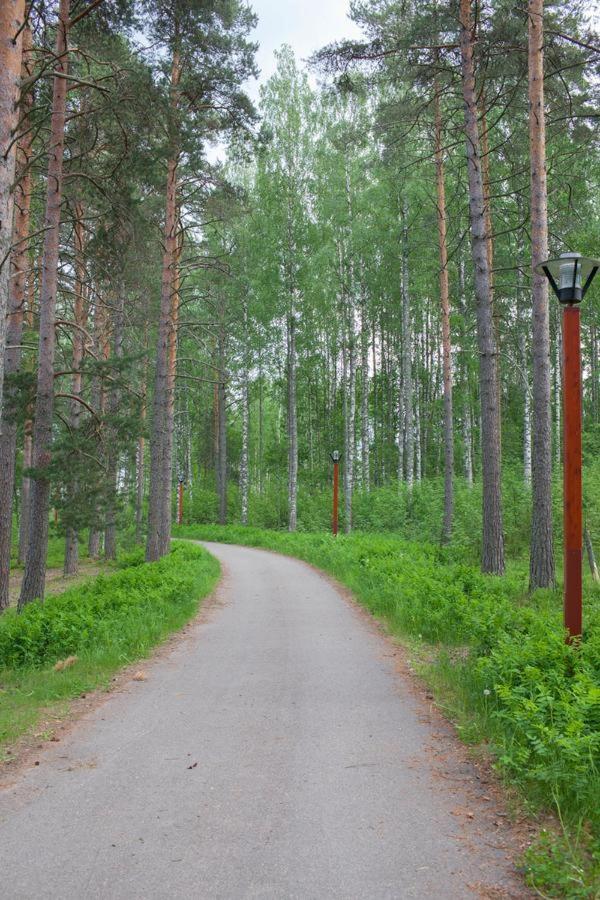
(500, 667)
(107, 623)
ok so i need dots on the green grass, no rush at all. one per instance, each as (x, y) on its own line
(500, 668)
(107, 623)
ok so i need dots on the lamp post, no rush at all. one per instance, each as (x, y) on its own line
(570, 277)
(335, 456)
(180, 500)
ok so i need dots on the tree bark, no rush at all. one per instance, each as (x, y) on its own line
(140, 453)
(292, 423)
(71, 564)
(365, 436)
(157, 543)
(222, 423)
(35, 567)
(12, 15)
(492, 556)
(244, 461)
(541, 561)
(407, 378)
(445, 307)
(112, 461)
(17, 301)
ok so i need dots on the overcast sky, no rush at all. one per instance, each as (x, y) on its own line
(306, 25)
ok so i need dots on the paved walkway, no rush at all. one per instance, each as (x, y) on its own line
(274, 752)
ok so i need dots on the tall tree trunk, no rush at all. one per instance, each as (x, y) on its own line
(21, 271)
(169, 423)
(468, 442)
(407, 377)
(158, 528)
(35, 567)
(71, 564)
(222, 424)
(541, 561)
(492, 558)
(244, 461)
(364, 396)
(112, 460)
(445, 305)
(523, 363)
(351, 420)
(141, 447)
(12, 15)
(292, 424)
(98, 401)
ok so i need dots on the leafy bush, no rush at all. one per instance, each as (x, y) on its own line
(126, 612)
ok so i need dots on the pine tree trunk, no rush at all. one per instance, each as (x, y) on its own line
(492, 559)
(71, 563)
(98, 402)
(244, 461)
(17, 301)
(25, 490)
(541, 561)
(158, 528)
(12, 14)
(169, 423)
(445, 306)
(110, 529)
(35, 567)
(292, 424)
(407, 378)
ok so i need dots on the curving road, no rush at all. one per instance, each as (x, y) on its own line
(274, 752)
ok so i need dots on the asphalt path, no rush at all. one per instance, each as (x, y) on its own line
(275, 751)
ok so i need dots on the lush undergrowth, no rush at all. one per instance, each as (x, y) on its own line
(414, 514)
(502, 670)
(108, 622)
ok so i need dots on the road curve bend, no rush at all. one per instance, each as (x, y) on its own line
(274, 752)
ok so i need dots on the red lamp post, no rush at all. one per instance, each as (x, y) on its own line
(335, 456)
(570, 277)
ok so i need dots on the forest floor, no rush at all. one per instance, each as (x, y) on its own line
(282, 748)
(56, 580)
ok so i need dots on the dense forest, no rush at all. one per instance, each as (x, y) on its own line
(205, 298)
(357, 274)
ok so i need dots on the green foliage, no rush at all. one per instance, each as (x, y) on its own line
(534, 698)
(128, 611)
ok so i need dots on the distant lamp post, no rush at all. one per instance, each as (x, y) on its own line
(180, 500)
(570, 276)
(335, 457)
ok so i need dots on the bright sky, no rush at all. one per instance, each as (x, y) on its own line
(306, 25)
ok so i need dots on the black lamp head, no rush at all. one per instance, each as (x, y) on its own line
(570, 276)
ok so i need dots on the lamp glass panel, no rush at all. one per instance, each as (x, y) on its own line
(567, 274)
